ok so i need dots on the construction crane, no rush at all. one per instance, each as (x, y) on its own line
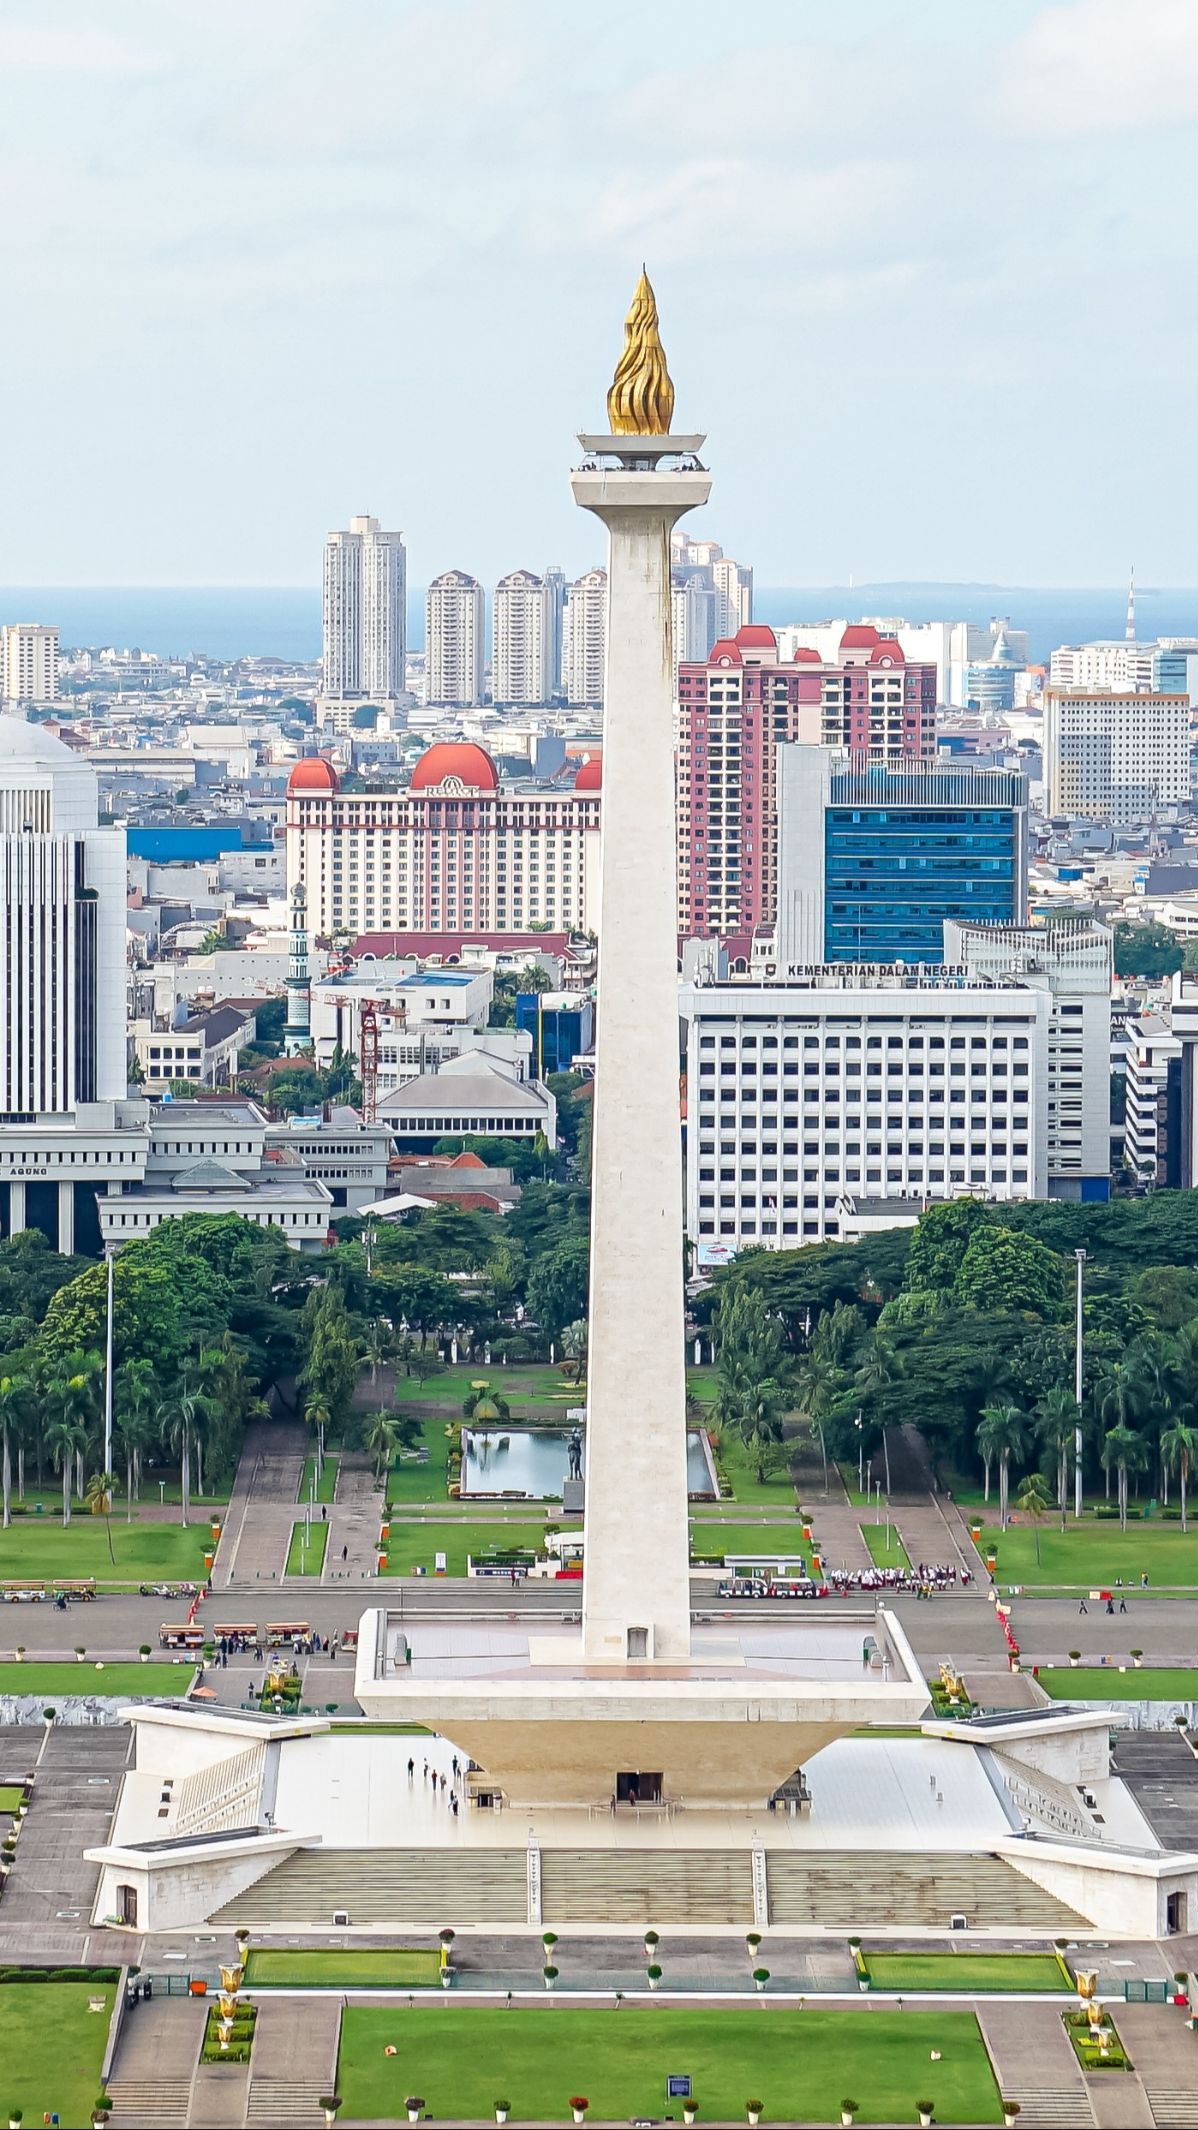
(368, 1058)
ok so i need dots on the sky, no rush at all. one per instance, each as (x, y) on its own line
(924, 269)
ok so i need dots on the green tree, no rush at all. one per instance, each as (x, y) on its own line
(575, 1339)
(1147, 950)
(66, 1438)
(753, 1372)
(1179, 1445)
(1056, 1430)
(1034, 1503)
(1002, 1269)
(557, 1285)
(1002, 1434)
(98, 1496)
(380, 1437)
(482, 1403)
(938, 1246)
(1123, 1451)
(15, 1398)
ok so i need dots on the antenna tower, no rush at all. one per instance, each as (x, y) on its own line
(1129, 632)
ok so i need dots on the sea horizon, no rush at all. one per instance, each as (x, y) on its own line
(283, 621)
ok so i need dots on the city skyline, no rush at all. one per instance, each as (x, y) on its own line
(503, 170)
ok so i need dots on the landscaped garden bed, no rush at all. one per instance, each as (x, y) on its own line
(1088, 2048)
(344, 1967)
(241, 2035)
(970, 1973)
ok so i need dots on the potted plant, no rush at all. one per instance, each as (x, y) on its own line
(102, 2109)
(144, 1652)
(690, 2111)
(48, 1714)
(15, 2118)
(549, 1940)
(652, 1941)
(243, 1938)
(330, 2102)
(1011, 2112)
(447, 1977)
(653, 1974)
(447, 1937)
(415, 2107)
(1075, 1657)
(1181, 1993)
(848, 2109)
(927, 2109)
(502, 2110)
(80, 1652)
(551, 1975)
(578, 2107)
(20, 1652)
(1137, 1658)
(761, 1976)
(752, 1941)
(753, 2110)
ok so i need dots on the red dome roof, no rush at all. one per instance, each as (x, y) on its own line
(471, 765)
(806, 655)
(590, 776)
(313, 774)
(755, 636)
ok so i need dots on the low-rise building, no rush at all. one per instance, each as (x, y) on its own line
(211, 1157)
(470, 1098)
(338, 1149)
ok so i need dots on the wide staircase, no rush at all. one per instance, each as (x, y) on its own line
(392, 1887)
(151, 2079)
(294, 2060)
(700, 1886)
(844, 1889)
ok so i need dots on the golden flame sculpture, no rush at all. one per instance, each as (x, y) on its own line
(641, 399)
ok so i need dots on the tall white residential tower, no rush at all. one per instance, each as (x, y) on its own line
(521, 653)
(365, 588)
(585, 638)
(28, 662)
(453, 611)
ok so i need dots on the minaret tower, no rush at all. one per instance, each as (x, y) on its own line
(636, 1596)
(298, 1033)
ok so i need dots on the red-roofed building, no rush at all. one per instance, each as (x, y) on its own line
(456, 853)
(734, 710)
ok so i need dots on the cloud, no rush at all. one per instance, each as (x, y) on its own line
(706, 207)
(84, 51)
(1101, 66)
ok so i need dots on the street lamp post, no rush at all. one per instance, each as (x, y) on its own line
(1077, 1389)
(860, 1454)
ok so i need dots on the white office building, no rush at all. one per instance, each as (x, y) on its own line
(365, 590)
(693, 606)
(733, 596)
(1117, 758)
(584, 642)
(425, 1018)
(1073, 962)
(454, 645)
(931, 1083)
(28, 662)
(522, 638)
(1116, 667)
(951, 646)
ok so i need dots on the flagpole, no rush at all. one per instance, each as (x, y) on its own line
(108, 1375)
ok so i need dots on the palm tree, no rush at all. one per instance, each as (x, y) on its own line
(14, 1405)
(1034, 1502)
(1179, 1446)
(1002, 1432)
(1056, 1430)
(135, 1398)
(99, 1501)
(318, 1417)
(482, 1403)
(66, 1438)
(574, 1349)
(1124, 1451)
(380, 1437)
(378, 1341)
(180, 1416)
(1118, 1397)
(763, 1407)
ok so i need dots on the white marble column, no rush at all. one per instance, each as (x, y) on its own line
(66, 1218)
(636, 1589)
(16, 1208)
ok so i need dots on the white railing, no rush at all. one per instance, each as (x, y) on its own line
(226, 1794)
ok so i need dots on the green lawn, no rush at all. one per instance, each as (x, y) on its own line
(857, 1496)
(326, 1485)
(1090, 1555)
(35, 1549)
(410, 1481)
(417, 1545)
(55, 1680)
(801, 2064)
(886, 1549)
(370, 1967)
(307, 1559)
(11, 1794)
(1108, 1683)
(983, 1972)
(784, 1542)
(51, 2048)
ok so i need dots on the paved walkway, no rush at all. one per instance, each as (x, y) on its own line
(156, 2057)
(50, 1891)
(1036, 2065)
(294, 2059)
(1165, 2055)
(263, 1507)
(354, 1521)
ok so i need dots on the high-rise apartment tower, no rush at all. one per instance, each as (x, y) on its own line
(365, 588)
(454, 624)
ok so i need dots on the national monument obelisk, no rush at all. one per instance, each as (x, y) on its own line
(639, 479)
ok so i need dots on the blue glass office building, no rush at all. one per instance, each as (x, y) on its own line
(906, 846)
